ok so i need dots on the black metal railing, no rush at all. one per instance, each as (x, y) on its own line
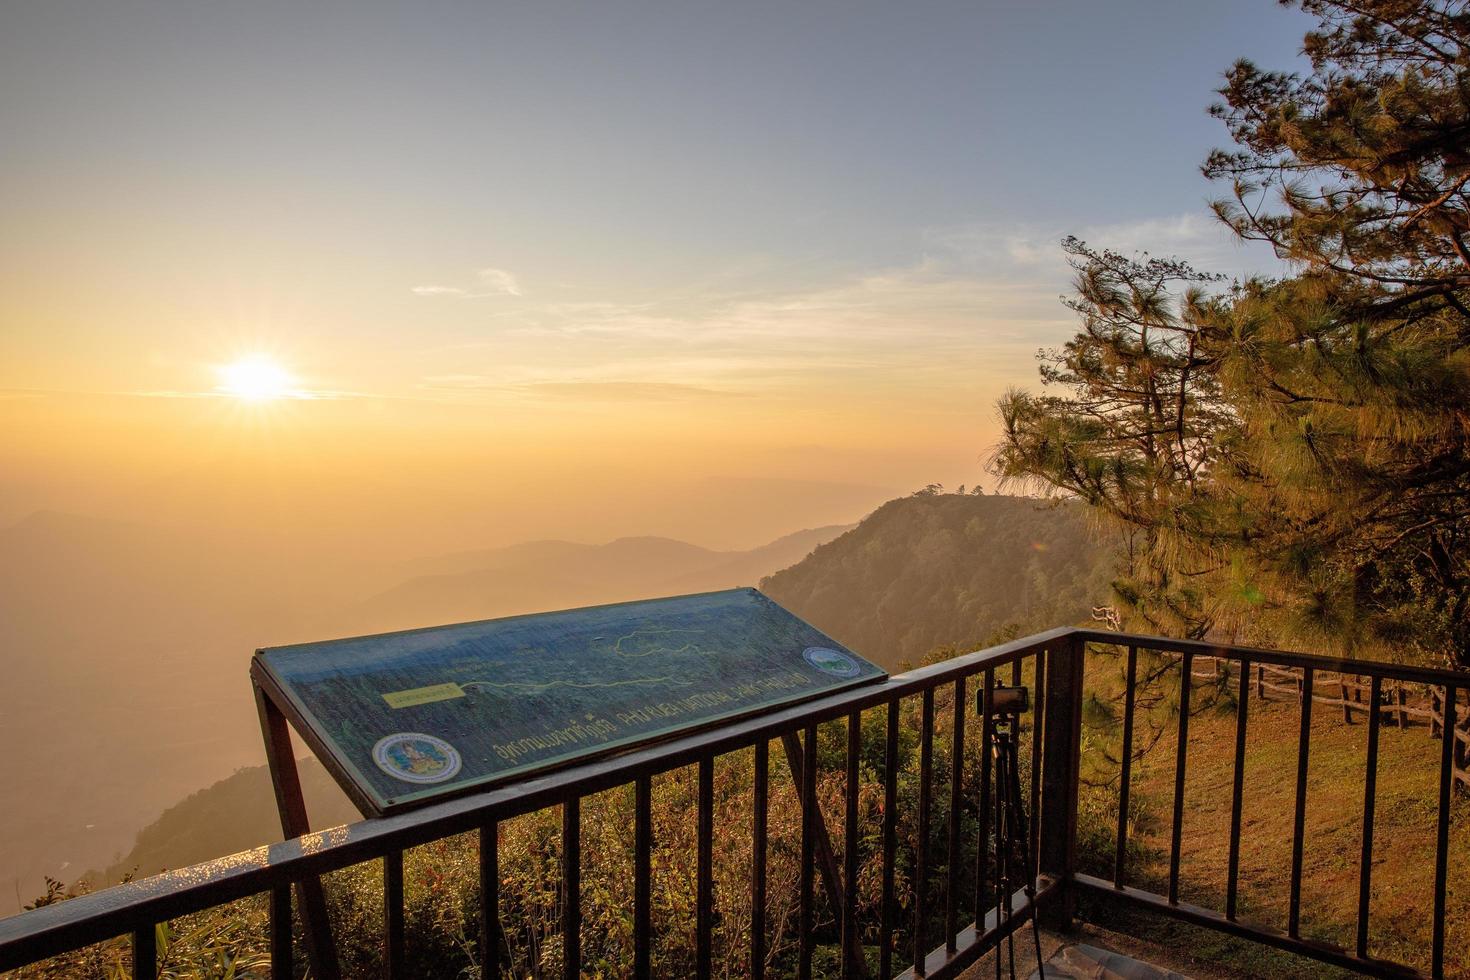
(1055, 661)
(1444, 686)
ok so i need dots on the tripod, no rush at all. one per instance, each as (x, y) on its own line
(1012, 837)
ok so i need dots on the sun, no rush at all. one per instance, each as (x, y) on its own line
(255, 378)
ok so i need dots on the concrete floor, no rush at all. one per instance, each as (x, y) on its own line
(1086, 953)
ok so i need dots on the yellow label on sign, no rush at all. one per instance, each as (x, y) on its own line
(423, 695)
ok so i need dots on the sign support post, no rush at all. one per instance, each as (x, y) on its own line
(310, 899)
(826, 859)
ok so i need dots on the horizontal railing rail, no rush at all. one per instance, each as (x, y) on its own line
(1438, 676)
(982, 894)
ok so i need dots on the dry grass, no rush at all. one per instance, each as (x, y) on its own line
(1403, 847)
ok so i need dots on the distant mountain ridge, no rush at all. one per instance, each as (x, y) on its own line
(932, 570)
(542, 575)
(128, 645)
(917, 574)
(234, 814)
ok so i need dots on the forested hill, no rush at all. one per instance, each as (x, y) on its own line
(933, 569)
(235, 814)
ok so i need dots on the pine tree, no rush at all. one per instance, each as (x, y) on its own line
(1133, 437)
(1329, 411)
(1352, 380)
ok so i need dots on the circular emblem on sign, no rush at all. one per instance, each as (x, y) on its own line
(416, 758)
(833, 662)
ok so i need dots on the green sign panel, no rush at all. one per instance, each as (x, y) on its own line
(403, 718)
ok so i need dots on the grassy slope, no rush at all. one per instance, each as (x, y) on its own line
(1403, 855)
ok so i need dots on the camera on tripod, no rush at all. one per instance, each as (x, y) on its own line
(1002, 707)
(1004, 700)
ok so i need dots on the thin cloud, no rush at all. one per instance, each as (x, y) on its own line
(460, 382)
(625, 391)
(490, 281)
(967, 314)
(436, 290)
(294, 394)
(1196, 237)
(499, 281)
(579, 389)
(915, 327)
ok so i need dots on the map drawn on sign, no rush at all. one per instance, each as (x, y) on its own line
(411, 716)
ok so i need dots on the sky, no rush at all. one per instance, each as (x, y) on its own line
(712, 270)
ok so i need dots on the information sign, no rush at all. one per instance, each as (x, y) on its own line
(403, 718)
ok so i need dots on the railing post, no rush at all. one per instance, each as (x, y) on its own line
(571, 874)
(489, 900)
(1442, 829)
(890, 841)
(145, 952)
(1060, 752)
(280, 924)
(761, 807)
(643, 867)
(394, 953)
(704, 887)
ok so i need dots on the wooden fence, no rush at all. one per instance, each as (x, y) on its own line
(1404, 704)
